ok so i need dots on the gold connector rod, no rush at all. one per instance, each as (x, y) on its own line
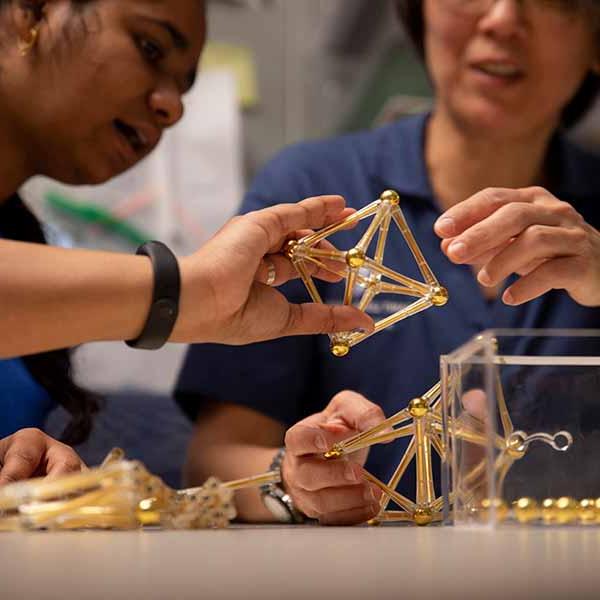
(382, 239)
(409, 311)
(390, 288)
(394, 516)
(368, 236)
(240, 484)
(394, 276)
(398, 498)
(396, 419)
(382, 438)
(319, 236)
(424, 267)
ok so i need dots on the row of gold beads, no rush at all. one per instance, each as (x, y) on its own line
(551, 511)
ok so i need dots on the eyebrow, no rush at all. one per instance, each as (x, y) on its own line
(179, 40)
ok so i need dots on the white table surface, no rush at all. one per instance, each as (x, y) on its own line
(304, 562)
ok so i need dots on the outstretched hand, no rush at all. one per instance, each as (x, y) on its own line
(527, 232)
(227, 286)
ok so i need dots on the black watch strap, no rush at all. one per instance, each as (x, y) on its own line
(165, 297)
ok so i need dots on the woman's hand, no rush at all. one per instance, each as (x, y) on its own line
(528, 232)
(31, 453)
(332, 491)
(226, 286)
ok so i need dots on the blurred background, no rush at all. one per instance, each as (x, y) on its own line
(274, 72)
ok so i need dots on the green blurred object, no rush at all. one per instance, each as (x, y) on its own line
(97, 215)
(400, 72)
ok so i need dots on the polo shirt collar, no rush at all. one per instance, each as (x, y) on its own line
(398, 162)
(399, 159)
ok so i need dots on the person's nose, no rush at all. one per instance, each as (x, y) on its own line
(504, 18)
(166, 105)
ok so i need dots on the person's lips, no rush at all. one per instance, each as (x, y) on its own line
(498, 69)
(140, 138)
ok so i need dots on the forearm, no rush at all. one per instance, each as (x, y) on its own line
(230, 461)
(55, 298)
(231, 442)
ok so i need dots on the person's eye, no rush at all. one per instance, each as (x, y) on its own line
(150, 50)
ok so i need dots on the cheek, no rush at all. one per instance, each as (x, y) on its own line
(446, 38)
(561, 68)
(120, 76)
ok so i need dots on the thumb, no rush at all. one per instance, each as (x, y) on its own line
(313, 435)
(355, 411)
(306, 319)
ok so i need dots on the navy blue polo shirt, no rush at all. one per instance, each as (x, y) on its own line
(292, 378)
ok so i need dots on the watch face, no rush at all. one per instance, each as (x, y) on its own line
(277, 508)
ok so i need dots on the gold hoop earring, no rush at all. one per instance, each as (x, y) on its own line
(25, 46)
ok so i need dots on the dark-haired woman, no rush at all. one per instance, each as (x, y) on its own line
(509, 77)
(86, 89)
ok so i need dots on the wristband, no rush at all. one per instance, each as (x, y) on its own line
(165, 297)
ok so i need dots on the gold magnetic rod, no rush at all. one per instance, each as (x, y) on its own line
(424, 267)
(319, 236)
(398, 418)
(394, 276)
(271, 477)
(382, 438)
(409, 311)
(394, 516)
(309, 283)
(424, 470)
(349, 292)
(390, 288)
(382, 239)
(367, 238)
(398, 498)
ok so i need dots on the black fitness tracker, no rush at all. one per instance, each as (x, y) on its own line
(165, 297)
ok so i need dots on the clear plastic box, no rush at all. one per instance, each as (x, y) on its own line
(521, 422)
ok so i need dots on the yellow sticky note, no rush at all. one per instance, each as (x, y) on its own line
(240, 61)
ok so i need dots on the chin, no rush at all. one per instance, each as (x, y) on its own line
(491, 120)
(95, 173)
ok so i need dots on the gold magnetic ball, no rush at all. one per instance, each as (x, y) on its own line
(391, 196)
(374, 522)
(515, 448)
(423, 516)
(290, 248)
(526, 510)
(492, 505)
(587, 512)
(439, 296)
(340, 349)
(566, 510)
(418, 407)
(335, 452)
(145, 517)
(549, 511)
(355, 258)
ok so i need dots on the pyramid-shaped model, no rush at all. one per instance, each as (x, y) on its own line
(361, 271)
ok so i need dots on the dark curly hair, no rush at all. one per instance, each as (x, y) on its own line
(410, 13)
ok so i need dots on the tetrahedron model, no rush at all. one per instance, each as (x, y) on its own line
(368, 274)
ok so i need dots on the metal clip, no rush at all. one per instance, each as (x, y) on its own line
(560, 441)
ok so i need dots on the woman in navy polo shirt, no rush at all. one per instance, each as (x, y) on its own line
(509, 78)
